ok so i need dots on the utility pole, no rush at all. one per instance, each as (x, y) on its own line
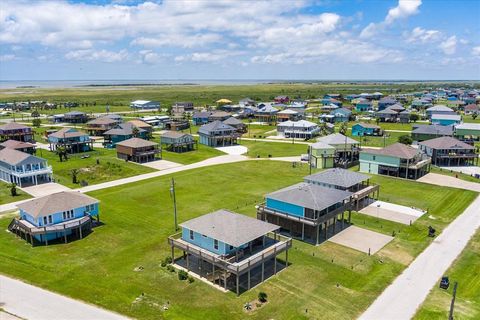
(452, 304)
(172, 193)
(310, 158)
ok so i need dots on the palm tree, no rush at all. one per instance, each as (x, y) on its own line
(323, 129)
(62, 153)
(343, 128)
(74, 176)
(13, 189)
(135, 132)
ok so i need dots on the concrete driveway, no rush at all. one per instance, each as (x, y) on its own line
(161, 164)
(447, 181)
(392, 212)
(233, 150)
(361, 239)
(45, 189)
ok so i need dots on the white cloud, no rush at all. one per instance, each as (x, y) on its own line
(97, 55)
(404, 9)
(476, 51)
(449, 46)
(423, 36)
(7, 57)
(214, 56)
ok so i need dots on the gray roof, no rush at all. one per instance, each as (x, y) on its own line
(468, 126)
(123, 129)
(337, 177)
(214, 126)
(387, 111)
(231, 228)
(337, 138)
(14, 144)
(446, 143)
(439, 107)
(56, 202)
(310, 196)
(13, 126)
(367, 125)
(232, 121)
(14, 157)
(455, 117)
(136, 143)
(398, 150)
(173, 134)
(103, 120)
(67, 133)
(432, 129)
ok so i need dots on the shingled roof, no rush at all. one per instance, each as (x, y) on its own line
(337, 177)
(398, 150)
(214, 126)
(310, 196)
(67, 133)
(136, 143)
(14, 144)
(337, 138)
(13, 126)
(56, 202)
(229, 227)
(446, 143)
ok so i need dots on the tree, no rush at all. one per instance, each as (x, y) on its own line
(135, 132)
(377, 120)
(35, 114)
(36, 122)
(343, 128)
(74, 176)
(323, 129)
(474, 115)
(13, 189)
(262, 296)
(405, 139)
(62, 153)
(414, 117)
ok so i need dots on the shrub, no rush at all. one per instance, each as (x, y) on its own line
(170, 268)
(405, 139)
(190, 279)
(262, 296)
(182, 275)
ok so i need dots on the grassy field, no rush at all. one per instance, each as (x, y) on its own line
(201, 153)
(6, 196)
(469, 119)
(467, 303)
(109, 167)
(326, 281)
(263, 149)
(370, 141)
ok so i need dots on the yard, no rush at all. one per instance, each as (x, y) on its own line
(201, 153)
(263, 149)
(6, 196)
(370, 141)
(327, 281)
(108, 167)
(467, 303)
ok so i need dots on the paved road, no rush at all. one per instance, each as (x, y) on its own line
(402, 298)
(32, 303)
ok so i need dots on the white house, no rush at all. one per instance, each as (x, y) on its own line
(144, 104)
(301, 129)
(23, 169)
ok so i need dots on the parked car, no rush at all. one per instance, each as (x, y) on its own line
(444, 283)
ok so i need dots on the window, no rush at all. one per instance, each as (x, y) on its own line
(50, 219)
(64, 215)
(231, 248)
(44, 220)
(215, 244)
(374, 157)
(191, 235)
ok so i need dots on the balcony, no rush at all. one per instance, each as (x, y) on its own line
(276, 244)
(28, 173)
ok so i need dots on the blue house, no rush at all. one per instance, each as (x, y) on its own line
(446, 119)
(366, 129)
(60, 215)
(223, 246)
(122, 132)
(363, 105)
(341, 115)
(201, 118)
(218, 134)
(73, 140)
(305, 209)
(386, 102)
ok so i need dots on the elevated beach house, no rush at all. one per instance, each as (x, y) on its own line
(467, 131)
(237, 124)
(301, 129)
(266, 113)
(305, 210)
(123, 131)
(73, 140)
(59, 216)
(448, 151)
(138, 150)
(387, 115)
(231, 250)
(341, 115)
(446, 119)
(16, 131)
(288, 114)
(98, 126)
(366, 129)
(144, 104)
(217, 134)
(23, 168)
(75, 117)
(344, 153)
(439, 109)
(423, 132)
(398, 160)
(362, 105)
(19, 146)
(177, 141)
(346, 180)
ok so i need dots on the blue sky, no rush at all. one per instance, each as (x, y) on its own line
(200, 39)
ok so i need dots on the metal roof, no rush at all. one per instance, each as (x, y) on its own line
(337, 177)
(310, 196)
(231, 228)
(337, 138)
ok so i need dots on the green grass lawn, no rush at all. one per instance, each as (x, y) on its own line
(201, 153)
(469, 119)
(259, 131)
(370, 141)
(275, 149)
(467, 303)
(6, 196)
(109, 167)
(330, 281)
